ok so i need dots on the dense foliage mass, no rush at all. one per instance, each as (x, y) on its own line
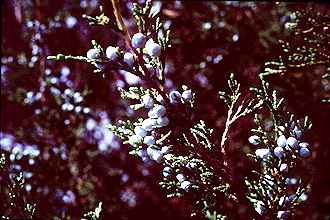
(164, 110)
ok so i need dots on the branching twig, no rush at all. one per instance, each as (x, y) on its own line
(246, 107)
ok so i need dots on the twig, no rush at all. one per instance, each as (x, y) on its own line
(120, 22)
(121, 25)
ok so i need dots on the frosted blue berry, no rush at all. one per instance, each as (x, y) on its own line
(284, 168)
(142, 154)
(180, 177)
(262, 153)
(93, 54)
(69, 197)
(154, 154)
(175, 97)
(292, 142)
(100, 66)
(163, 121)
(281, 141)
(153, 49)
(291, 181)
(254, 139)
(166, 171)
(149, 140)
(165, 149)
(112, 53)
(148, 123)
(71, 21)
(297, 132)
(135, 139)
(129, 59)
(138, 40)
(185, 185)
(140, 131)
(304, 152)
(147, 101)
(157, 111)
(304, 144)
(187, 95)
(282, 214)
(279, 152)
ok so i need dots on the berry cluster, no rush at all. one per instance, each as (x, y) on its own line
(177, 172)
(139, 41)
(192, 166)
(284, 146)
(177, 97)
(183, 181)
(184, 184)
(126, 60)
(144, 133)
(278, 157)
